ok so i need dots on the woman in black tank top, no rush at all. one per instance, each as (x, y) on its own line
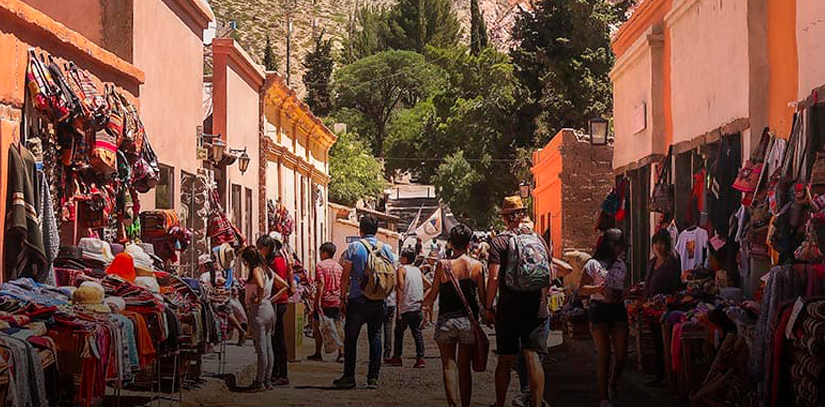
(455, 325)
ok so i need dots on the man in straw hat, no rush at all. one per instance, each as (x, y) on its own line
(518, 317)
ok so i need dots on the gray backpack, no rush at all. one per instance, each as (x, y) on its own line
(528, 264)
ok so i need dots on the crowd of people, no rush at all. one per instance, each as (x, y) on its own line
(469, 281)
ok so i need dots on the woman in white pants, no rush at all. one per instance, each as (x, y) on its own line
(261, 314)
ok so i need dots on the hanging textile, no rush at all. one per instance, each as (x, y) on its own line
(24, 254)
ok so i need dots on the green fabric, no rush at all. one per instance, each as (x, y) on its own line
(24, 253)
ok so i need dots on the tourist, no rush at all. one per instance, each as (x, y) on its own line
(262, 315)
(663, 277)
(210, 281)
(603, 280)
(270, 248)
(519, 326)
(389, 318)
(328, 298)
(358, 309)
(454, 325)
(409, 286)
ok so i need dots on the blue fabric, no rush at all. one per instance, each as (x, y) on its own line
(357, 254)
(230, 278)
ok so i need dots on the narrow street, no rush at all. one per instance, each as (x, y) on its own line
(571, 381)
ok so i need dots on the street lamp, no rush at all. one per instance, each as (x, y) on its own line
(243, 159)
(218, 147)
(524, 190)
(598, 131)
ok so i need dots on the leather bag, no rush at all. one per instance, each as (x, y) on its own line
(662, 200)
(481, 347)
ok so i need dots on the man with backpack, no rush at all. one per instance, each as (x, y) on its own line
(519, 271)
(368, 278)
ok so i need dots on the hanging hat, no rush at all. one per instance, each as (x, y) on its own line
(70, 257)
(143, 263)
(225, 255)
(512, 204)
(123, 266)
(204, 259)
(149, 283)
(96, 249)
(116, 304)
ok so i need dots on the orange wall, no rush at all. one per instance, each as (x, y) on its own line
(784, 66)
(547, 194)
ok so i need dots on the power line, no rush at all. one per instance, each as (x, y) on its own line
(442, 159)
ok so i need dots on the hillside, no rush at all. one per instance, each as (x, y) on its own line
(255, 18)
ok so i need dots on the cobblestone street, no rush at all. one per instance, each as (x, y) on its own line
(571, 381)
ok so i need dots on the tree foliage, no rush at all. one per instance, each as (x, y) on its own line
(564, 59)
(415, 24)
(269, 56)
(457, 181)
(318, 66)
(478, 30)
(367, 34)
(354, 172)
(377, 85)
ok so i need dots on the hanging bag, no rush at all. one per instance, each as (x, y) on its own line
(749, 176)
(94, 105)
(40, 91)
(481, 347)
(662, 199)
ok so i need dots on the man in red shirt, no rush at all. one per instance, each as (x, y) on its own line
(328, 297)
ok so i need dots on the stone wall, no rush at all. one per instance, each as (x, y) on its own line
(587, 177)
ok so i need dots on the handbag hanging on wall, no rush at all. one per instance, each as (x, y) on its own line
(662, 200)
(751, 173)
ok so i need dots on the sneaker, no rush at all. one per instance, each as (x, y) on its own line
(255, 387)
(394, 361)
(269, 385)
(280, 381)
(345, 382)
(521, 400)
(420, 364)
(316, 357)
(372, 383)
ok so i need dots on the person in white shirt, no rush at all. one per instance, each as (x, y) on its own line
(410, 286)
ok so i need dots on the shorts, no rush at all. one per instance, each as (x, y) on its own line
(515, 333)
(607, 315)
(332, 312)
(454, 329)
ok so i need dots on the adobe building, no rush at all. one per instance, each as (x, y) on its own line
(571, 177)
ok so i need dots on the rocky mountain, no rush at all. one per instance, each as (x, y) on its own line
(254, 19)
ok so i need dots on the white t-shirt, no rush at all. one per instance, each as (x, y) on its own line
(692, 247)
(413, 294)
(611, 278)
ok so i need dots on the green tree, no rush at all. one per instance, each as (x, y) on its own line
(414, 24)
(478, 30)
(367, 34)
(318, 65)
(269, 56)
(475, 111)
(376, 86)
(354, 172)
(457, 180)
(564, 59)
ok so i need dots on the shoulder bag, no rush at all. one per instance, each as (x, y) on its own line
(751, 173)
(481, 348)
(662, 198)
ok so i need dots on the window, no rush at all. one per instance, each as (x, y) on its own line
(236, 205)
(165, 189)
(248, 214)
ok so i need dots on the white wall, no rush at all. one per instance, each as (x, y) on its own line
(810, 37)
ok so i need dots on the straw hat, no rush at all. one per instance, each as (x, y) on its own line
(143, 263)
(512, 204)
(278, 237)
(123, 266)
(149, 283)
(204, 259)
(96, 249)
(226, 255)
(90, 296)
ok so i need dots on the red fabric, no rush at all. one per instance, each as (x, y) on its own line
(329, 272)
(123, 266)
(778, 343)
(280, 268)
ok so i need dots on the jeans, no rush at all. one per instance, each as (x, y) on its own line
(279, 369)
(362, 311)
(412, 320)
(389, 317)
(262, 318)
